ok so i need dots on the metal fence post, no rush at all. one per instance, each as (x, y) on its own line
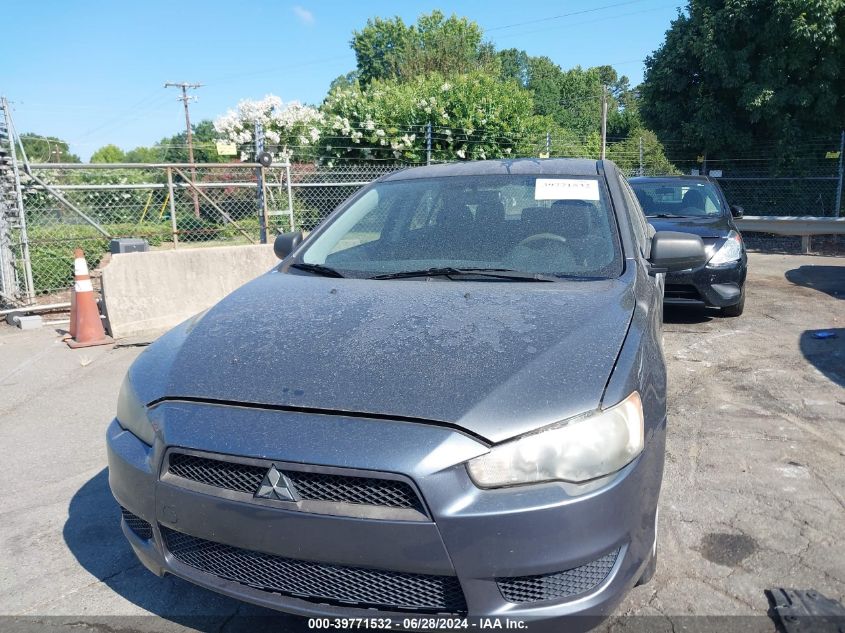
(290, 195)
(263, 210)
(172, 207)
(839, 182)
(29, 286)
(642, 170)
(259, 174)
(428, 143)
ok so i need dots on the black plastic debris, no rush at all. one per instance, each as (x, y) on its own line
(806, 611)
(823, 334)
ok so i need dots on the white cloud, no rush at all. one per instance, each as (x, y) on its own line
(304, 15)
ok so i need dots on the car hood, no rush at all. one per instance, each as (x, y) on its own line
(496, 359)
(712, 227)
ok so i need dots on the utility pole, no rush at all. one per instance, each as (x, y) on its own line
(603, 122)
(841, 172)
(185, 99)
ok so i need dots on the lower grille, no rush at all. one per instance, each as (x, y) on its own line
(319, 582)
(681, 291)
(564, 584)
(140, 527)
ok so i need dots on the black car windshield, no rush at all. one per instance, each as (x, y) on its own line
(553, 225)
(682, 198)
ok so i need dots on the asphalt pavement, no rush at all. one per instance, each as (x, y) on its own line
(753, 494)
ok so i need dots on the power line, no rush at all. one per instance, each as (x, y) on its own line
(575, 24)
(563, 15)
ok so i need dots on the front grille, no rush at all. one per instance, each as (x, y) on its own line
(217, 473)
(307, 485)
(360, 490)
(319, 582)
(564, 584)
(140, 527)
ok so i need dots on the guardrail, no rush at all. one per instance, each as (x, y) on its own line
(804, 226)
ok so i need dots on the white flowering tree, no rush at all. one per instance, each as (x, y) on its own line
(472, 116)
(291, 130)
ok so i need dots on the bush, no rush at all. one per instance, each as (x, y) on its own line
(193, 229)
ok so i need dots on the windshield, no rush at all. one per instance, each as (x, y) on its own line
(560, 226)
(678, 198)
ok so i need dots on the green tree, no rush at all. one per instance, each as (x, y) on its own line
(47, 149)
(732, 75)
(390, 49)
(626, 154)
(546, 82)
(175, 148)
(513, 64)
(344, 81)
(108, 154)
(144, 155)
(573, 97)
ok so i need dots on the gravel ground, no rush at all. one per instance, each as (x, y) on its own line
(753, 496)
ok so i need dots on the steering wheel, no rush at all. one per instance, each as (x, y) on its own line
(542, 237)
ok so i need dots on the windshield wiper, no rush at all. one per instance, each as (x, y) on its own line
(666, 215)
(317, 269)
(496, 273)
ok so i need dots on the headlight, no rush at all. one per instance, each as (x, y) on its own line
(729, 252)
(576, 450)
(132, 414)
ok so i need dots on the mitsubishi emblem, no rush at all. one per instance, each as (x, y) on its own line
(275, 486)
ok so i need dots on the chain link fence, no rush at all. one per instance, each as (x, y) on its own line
(318, 190)
(184, 206)
(172, 206)
(810, 184)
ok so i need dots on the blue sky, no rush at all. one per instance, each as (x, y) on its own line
(92, 72)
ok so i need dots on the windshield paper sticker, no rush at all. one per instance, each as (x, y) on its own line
(566, 189)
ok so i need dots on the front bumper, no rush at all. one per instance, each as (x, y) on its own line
(481, 539)
(708, 285)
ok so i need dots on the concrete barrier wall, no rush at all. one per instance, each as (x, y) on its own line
(148, 293)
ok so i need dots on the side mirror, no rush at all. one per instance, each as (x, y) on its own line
(671, 251)
(286, 243)
(737, 210)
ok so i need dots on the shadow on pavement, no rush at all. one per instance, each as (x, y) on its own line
(92, 533)
(827, 354)
(827, 279)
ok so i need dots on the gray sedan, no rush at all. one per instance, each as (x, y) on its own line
(448, 402)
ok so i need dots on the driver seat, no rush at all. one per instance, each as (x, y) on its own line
(693, 200)
(575, 225)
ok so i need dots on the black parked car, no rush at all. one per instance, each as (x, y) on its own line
(449, 399)
(696, 204)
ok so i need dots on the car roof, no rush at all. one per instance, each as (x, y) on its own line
(637, 179)
(519, 166)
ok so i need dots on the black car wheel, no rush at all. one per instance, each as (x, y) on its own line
(736, 309)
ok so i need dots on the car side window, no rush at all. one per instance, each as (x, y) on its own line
(642, 233)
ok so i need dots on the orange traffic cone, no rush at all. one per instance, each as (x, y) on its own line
(86, 327)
